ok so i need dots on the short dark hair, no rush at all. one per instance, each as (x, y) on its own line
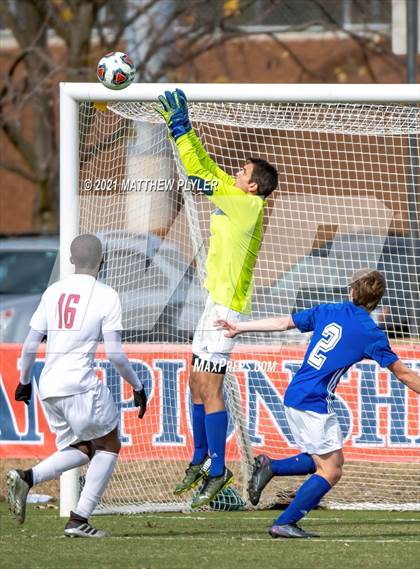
(265, 175)
(368, 287)
(86, 251)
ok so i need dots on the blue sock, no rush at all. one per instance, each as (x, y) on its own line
(216, 429)
(199, 433)
(307, 498)
(293, 466)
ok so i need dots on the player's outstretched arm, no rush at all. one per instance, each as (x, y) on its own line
(207, 162)
(405, 375)
(204, 158)
(265, 325)
(29, 349)
(174, 110)
(122, 364)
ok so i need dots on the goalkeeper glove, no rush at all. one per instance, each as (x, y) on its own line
(23, 392)
(140, 401)
(174, 110)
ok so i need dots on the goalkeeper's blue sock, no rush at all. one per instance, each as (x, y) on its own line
(307, 498)
(216, 429)
(294, 466)
(199, 433)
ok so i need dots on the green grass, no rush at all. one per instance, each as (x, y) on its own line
(236, 540)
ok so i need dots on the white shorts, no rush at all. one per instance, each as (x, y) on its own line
(81, 417)
(209, 343)
(314, 433)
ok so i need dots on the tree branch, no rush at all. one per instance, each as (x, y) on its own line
(361, 42)
(25, 149)
(13, 23)
(11, 167)
(61, 28)
(304, 69)
(143, 9)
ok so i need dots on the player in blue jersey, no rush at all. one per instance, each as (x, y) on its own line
(343, 334)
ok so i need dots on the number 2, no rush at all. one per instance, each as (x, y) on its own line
(67, 312)
(331, 336)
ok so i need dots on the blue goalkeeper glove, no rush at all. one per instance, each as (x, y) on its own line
(174, 110)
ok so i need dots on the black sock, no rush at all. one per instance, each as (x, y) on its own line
(76, 518)
(27, 476)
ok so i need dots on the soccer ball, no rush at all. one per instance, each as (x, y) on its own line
(115, 70)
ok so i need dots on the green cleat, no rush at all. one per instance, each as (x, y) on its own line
(212, 486)
(193, 476)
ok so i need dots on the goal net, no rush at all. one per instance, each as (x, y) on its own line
(348, 198)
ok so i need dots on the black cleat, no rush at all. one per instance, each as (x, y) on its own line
(262, 473)
(290, 531)
(212, 486)
(193, 476)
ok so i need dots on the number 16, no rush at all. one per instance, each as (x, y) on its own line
(68, 314)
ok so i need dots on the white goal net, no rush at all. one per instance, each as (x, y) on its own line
(348, 198)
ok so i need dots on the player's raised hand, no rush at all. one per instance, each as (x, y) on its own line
(230, 327)
(140, 401)
(174, 111)
(23, 392)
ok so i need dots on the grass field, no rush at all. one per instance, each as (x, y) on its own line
(386, 540)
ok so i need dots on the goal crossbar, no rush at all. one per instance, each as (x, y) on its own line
(251, 92)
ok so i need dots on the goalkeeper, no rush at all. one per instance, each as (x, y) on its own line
(236, 230)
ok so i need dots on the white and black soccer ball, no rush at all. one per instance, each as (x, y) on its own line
(115, 70)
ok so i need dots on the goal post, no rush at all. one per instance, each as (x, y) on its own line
(348, 197)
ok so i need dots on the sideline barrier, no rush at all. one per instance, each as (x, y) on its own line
(379, 417)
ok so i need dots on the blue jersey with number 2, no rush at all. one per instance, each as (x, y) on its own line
(343, 334)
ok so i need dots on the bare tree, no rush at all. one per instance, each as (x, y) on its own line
(62, 39)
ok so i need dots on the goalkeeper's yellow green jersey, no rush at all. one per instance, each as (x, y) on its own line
(236, 227)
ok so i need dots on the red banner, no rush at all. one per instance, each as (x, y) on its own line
(379, 417)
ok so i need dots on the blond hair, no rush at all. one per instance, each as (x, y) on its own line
(368, 286)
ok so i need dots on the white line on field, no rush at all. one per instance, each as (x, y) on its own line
(266, 539)
(351, 540)
(262, 518)
(237, 515)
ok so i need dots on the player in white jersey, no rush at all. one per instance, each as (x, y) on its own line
(73, 314)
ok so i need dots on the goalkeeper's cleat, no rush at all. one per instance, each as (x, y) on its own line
(79, 527)
(17, 492)
(194, 474)
(290, 531)
(212, 486)
(262, 473)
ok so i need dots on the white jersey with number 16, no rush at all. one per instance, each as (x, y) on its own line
(73, 313)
